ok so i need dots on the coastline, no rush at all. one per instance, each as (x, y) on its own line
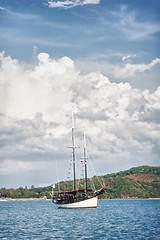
(42, 199)
(131, 199)
(23, 199)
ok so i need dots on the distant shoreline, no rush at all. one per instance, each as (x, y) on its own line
(131, 199)
(22, 199)
(41, 199)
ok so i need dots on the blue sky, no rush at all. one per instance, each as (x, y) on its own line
(100, 57)
(105, 30)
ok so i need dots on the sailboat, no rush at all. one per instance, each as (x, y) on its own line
(78, 198)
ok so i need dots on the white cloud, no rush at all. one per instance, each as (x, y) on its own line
(9, 167)
(35, 49)
(24, 16)
(122, 123)
(30, 91)
(129, 70)
(124, 58)
(71, 3)
(2, 8)
(153, 100)
(127, 23)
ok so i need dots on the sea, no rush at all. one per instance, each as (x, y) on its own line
(113, 219)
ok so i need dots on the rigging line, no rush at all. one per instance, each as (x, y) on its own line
(94, 171)
(71, 162)
(83, 181)
(100, 177)
(68, 175)
(70, 170)
(92, 184)
(90, 179)
(79, 176)
(57, 176)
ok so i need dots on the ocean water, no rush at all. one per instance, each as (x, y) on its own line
(113, 219)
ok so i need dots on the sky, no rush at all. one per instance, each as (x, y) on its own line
(97, 58)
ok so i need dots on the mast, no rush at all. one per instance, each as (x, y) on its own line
(73, 148)
(85, 159)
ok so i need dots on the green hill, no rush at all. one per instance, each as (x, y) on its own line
(138, 182)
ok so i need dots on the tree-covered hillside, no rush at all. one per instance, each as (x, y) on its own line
(138, 170)
(138, 182)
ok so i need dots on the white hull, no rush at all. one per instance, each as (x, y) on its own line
(88, 203)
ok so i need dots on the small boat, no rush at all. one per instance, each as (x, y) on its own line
(78, 198)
